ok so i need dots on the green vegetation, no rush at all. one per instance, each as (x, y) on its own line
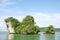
(13, 21)
(26, 26)
(49, 30)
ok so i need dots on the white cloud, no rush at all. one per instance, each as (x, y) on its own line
(5, 8)
(5, 3)
(44, 20)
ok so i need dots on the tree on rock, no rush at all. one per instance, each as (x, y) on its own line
(28, 20)
(27, 26)
(49, 29)
(14, 22)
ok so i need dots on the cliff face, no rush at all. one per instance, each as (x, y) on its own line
(9, 27)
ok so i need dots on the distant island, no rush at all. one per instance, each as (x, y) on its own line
(27, 26)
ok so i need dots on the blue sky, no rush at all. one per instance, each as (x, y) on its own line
(45, 12)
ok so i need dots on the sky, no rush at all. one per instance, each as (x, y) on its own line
(45, 12)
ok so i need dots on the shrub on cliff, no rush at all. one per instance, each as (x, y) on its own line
(49, 29)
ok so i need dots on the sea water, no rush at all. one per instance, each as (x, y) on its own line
(6, 36)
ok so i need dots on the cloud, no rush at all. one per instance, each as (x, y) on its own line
(8, 7)
(44, 20)
(5, 3)
(2, 23)
(10, 12)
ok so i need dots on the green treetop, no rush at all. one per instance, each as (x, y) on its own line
(13, 21)
(28, 20)
(49, 29)
(28, 25)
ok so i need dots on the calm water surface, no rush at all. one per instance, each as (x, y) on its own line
(40, 36)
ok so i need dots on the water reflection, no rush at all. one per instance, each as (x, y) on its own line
(31, 37)
(10, 36)
(23, 37)
(6, 36)
(49, 37)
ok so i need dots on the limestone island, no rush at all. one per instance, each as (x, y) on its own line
(49, 30)
(27, 26)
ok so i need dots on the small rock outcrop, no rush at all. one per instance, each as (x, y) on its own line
(49, 30)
